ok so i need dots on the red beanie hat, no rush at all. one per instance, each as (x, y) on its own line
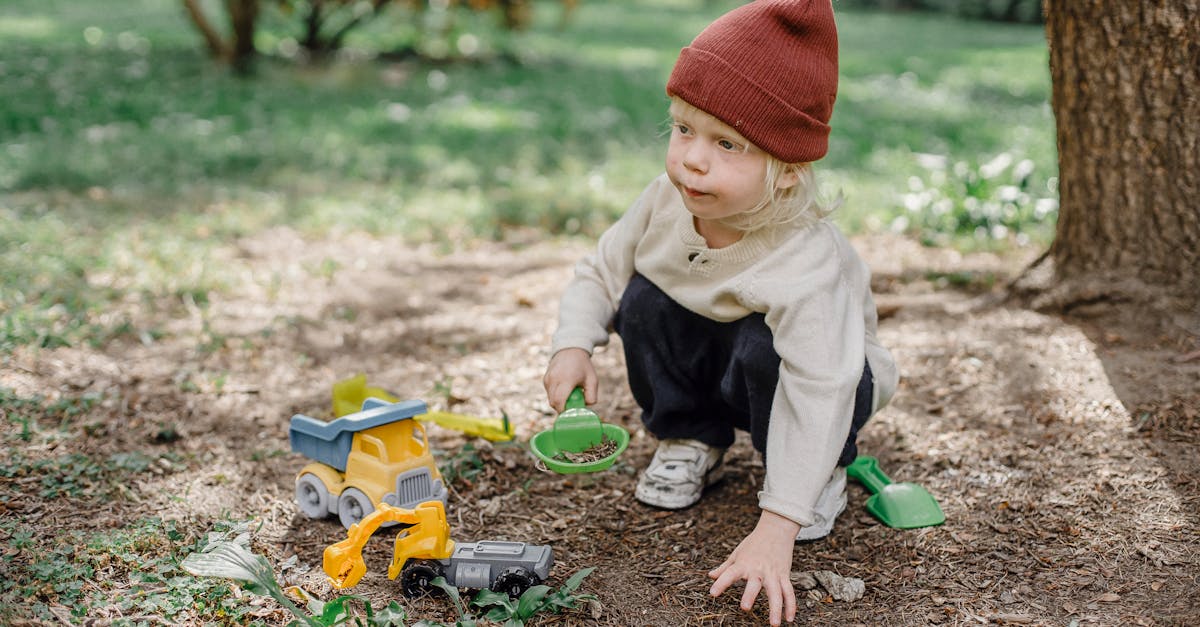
(769, 69)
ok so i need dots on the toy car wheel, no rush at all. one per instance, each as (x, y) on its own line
(312, 497)
(416, 578)
(514, 581)
(353, 505)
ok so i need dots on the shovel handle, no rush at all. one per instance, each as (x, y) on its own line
(575, 400)
(866, 471)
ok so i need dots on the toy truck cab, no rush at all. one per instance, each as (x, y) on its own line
(378, 455)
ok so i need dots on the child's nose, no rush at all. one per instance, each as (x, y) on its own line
(696, 158)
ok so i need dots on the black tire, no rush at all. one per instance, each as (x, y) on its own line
(514, 581)
(416, 578)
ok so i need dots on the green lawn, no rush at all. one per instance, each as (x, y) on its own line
(127, 157)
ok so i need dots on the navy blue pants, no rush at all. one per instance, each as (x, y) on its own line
(700, 379)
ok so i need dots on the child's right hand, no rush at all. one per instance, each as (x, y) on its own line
(569, 368)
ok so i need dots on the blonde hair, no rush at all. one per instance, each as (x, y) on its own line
(799, 204)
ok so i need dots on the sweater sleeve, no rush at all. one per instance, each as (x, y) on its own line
(590, 300)
(817, 321)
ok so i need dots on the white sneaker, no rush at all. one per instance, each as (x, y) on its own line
(678, 473)
(831, 503)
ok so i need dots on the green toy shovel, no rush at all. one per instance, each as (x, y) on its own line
(578, 431)
(900, 505)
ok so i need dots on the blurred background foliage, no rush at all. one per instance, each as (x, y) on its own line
(130, 161)
(1022, 11)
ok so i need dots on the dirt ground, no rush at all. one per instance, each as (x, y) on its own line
(1062, 450)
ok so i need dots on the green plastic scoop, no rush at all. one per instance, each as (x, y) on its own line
(900, 505)
(578, 430)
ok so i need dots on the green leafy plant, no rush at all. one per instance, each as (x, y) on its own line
(534, 600)
(465, 619)
(133, 570)
(461, 465)
(995, 201)
(231, 558)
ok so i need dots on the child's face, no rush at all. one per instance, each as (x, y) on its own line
(717, 171)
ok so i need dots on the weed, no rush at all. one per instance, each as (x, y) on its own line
(68, 475)
(995, 201)
(461, 465)
(29, 412)
(133, 570)
(534, 600)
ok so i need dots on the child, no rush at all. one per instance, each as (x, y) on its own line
(738, 304)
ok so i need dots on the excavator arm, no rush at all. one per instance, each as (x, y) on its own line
(427, 537)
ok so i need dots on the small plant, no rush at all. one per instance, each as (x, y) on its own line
(25, 411)
(232, 559)
(461, 465)
(534, 600)
(133, 570)
(996, 201)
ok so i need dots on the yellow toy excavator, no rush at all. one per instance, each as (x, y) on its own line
(424, 552)
(428, 537)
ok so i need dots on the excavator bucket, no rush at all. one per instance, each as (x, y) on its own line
(344, 565)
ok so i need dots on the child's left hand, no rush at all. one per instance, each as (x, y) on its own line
(764, 560)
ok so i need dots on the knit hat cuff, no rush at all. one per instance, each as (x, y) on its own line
(710, 84)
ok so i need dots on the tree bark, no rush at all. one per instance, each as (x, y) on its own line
(216, 45)
(243, 16)
(1126, 99)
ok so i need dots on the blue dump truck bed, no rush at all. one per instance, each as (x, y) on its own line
(329, 442)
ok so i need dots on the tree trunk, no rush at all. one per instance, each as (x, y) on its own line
(243, 16)
(212, 39)
(1126, 98)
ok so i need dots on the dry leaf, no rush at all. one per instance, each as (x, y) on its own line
(1108, 597)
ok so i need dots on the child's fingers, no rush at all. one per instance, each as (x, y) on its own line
(753, 586)
(789, 601)
(724, 579)
(591, 385)
(775, 601)
(560, 394)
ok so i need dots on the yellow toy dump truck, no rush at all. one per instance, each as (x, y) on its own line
(377, 456)
(424, 552)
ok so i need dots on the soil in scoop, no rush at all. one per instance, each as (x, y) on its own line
(594, 453)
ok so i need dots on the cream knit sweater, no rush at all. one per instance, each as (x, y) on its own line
(811, 285)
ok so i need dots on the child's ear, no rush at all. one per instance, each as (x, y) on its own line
(788, 178)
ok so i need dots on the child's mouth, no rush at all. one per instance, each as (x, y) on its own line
(693, 193)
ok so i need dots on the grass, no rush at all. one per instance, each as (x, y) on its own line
(59, 572)
(128, 161)
(61, 578)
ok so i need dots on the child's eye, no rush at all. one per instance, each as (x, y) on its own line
(728, 145)
(683, 129)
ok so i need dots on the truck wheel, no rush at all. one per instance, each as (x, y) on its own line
(312, 496)
(514, 581)
(353, 505)
(416, 578)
